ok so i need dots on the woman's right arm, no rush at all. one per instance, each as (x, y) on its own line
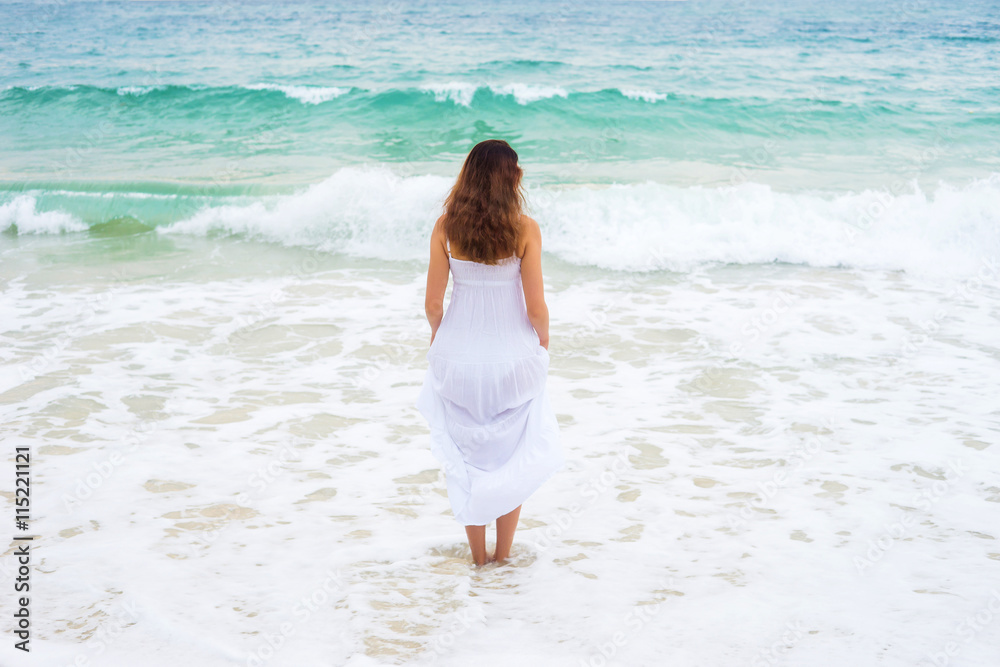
(437, 278)
(531, 281)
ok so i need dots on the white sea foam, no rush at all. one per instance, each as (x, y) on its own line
(525, 94)
(357, 211)
(455, 91)
(374, 212)
(643, 95)
(462, 93)
(138, 90)
(21, 212)
(652, 225)
(221, 443)
(304, 94)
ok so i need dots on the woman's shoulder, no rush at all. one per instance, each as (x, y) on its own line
(530, 233)
(437, 233)
(529, 228)
(439, 225)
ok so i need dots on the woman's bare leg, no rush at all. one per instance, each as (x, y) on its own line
(477, 541)
(506, 525)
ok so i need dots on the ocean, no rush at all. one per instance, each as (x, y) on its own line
(771, 237)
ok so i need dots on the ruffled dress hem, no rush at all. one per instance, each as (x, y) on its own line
(479, 496)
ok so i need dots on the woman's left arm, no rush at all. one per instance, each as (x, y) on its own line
(437, 278)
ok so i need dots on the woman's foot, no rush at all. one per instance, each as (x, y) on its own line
(506, 525)
(477, 543)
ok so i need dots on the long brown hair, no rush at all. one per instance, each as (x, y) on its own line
(483, 209)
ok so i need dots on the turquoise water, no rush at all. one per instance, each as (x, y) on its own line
(138, 115)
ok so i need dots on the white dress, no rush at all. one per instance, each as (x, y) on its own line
(485, 397)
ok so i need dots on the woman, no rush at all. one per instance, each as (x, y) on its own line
(484, 394)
